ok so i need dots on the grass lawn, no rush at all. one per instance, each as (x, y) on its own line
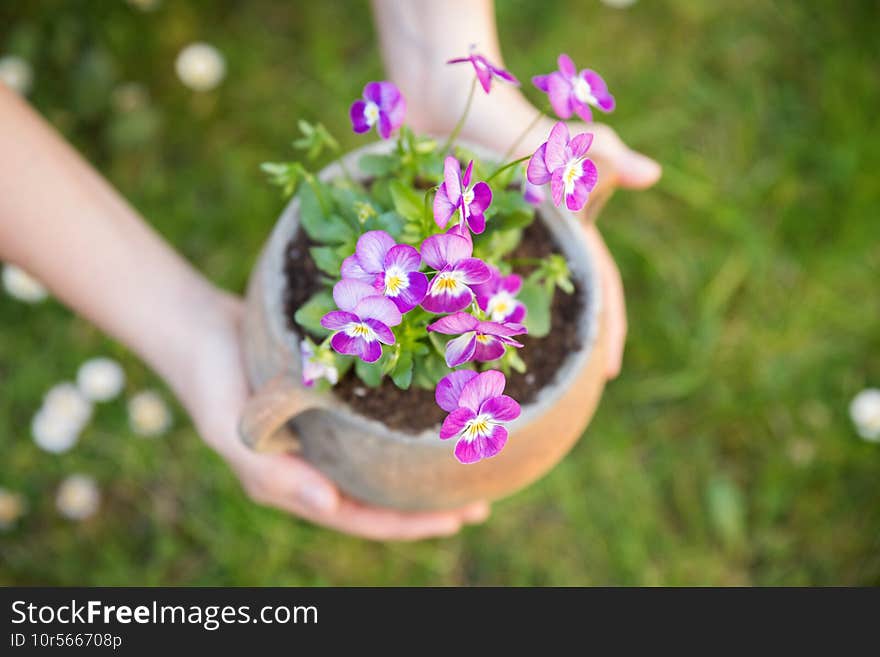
(723, 455)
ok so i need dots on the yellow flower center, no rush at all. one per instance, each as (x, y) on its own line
(395, 281)
(573, 171)
(360, 330)
(479, 426)
(468, 196)
(484, 339)
(447, 281)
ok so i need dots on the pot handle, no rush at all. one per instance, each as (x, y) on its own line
(271, 407)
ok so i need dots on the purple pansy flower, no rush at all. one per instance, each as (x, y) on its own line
(391, 268)
(450, 255)
(533, 194)
(362, 322)
(571, 92)
(456, 193)
(485, 70)
(315, 366)
(497, 297)
(383, 106)
(563, 163)
(477, 407)
(480, 341)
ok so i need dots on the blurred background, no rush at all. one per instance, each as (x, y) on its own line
(724, 454)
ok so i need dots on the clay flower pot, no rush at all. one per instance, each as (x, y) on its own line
(385, 467)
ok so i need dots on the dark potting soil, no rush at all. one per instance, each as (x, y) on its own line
(415, 409)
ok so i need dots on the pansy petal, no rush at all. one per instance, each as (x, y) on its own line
(452, 179)
(443, 207)
(345, 344)
(369, 352)
(384, 127)
(378, 307)
(580, 144)
(461, 350)
(532, 193)
(537, 172)
(556, 155)
(383, 334)
(446, 301)
(384, 94)
(505, 75)
(583, 111)
(396, 112)
(347, 293)
(473, 270)
(502, 408)
(372, 247)
(557, 186)
(482, 447)
(599, 89)
(449, 389)
(511, 283)
(413, 294)
(541, 82)
(559, 92)
(455, 422)
(338, 319)
(454, 324)
(446, 249)
(466, 178)
(477, 223)
(358, 120)
(352, 269)
(482, 198)
(482, 387)
(484, 75)
(578, 196)
(403, 256)
(518, 313)
(488, 348)
(566, 66)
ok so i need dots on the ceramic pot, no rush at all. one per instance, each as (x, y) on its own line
(391, 468)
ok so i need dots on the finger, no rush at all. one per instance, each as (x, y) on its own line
(618, 164)
(475, 513)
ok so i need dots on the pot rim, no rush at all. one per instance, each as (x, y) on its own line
(581, 261)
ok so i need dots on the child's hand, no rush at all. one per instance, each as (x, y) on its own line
(214, 394)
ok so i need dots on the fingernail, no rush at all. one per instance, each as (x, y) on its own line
(476, 513)
(320, 498)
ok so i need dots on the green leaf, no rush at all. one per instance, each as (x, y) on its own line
(327, 259)
(309, 315)
(537, 303)
(407, 201)
(379, 165)
(509, 210)
(369, 373)
(402, 374)
(321, 227)
(428, 370)
(493, 245)
(390, 222)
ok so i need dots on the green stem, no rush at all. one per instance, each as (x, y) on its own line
(522, 135)
(458, 126)
(508, 166)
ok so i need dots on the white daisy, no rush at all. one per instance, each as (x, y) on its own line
(148, 414)
(100, 379)
(57, 425)
(864, 410)
(12, 507)
(22, 286)
(78, 497)
(619, 4)
(16, 73)
(200, 66)
(66, 400)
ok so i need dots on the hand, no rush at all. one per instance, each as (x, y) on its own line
(215, 393)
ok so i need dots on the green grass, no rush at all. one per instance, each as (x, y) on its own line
(722, 455)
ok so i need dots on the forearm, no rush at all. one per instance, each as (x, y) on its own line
(64, 223)
(418, 37)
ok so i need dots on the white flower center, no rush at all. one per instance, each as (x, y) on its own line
(572, 173)
(583, 92)
(480, 426)
(396, 280)
(360, 330)
(447, 281)
(371, 113)
(500, 305)
(468, 196)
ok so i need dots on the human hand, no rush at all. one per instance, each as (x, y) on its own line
(214, 392)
